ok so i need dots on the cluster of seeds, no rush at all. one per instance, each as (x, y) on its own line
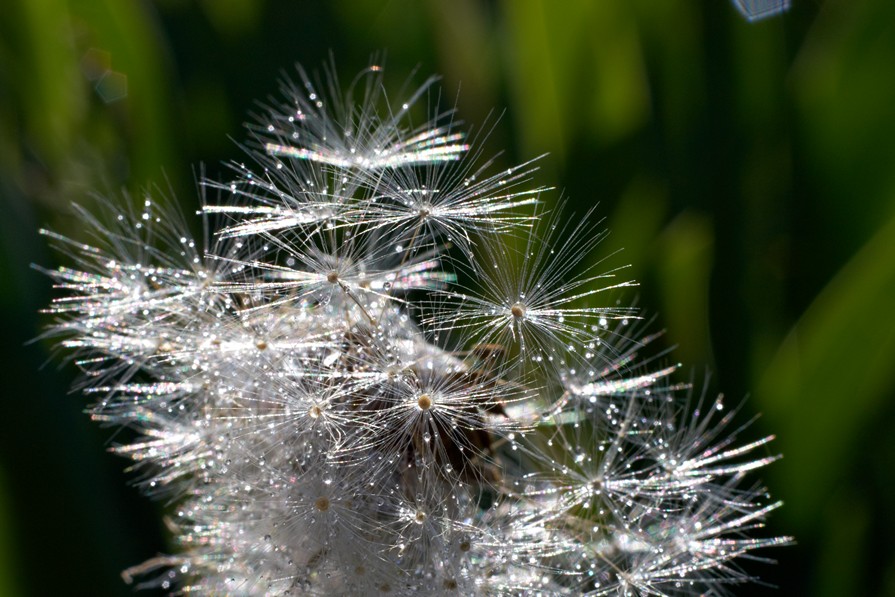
(392, 370)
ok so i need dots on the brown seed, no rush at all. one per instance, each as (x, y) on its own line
(487, 351)
(450, 584)
(315, 411)
(332, 277)
(261, 345)
(322, 504)
(518, 311)
(424, 402)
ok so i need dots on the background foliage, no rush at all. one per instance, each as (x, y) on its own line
(747, 170)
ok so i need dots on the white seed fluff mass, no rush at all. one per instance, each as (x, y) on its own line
(392, 369)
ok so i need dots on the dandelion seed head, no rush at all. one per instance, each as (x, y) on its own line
(392, 369)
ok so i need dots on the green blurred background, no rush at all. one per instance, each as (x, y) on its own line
(747, 170)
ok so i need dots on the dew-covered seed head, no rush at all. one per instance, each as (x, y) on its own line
(370, 198)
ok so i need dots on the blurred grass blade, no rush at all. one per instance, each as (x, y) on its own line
(7, 559)
(831, 374)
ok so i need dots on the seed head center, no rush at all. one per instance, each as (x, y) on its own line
(424, 402)
(332, 277)
(322, 504)
(315, 412)
(518, 311)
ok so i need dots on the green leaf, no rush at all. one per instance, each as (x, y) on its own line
(684, 267)
(8, 582)
(831, 374)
